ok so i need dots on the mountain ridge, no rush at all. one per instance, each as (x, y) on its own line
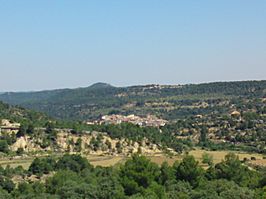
(102, 98)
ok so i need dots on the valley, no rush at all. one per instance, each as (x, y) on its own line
(204, 130)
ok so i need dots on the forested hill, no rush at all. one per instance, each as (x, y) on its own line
(22, 115)
(167, 101)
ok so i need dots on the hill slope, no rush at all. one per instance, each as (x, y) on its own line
(21, 115)
(169, 102)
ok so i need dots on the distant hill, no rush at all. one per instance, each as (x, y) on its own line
(100, 85)
(167, 101)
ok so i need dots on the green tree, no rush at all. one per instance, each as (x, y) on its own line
(203, 135)
(61, 179)
(223, 189)
(3, 146)
(95, 143)
(232, 169)
(78, 145)
(20, 151)
(207, 159)
(109, 187)
(6, 184)
(41, 166)
(25, 188)
(50, 132)
(189, 170)
(178, 190)
(4, 194)
(108, 144)
(166, 174)
(137, 174)
(22, 130)
(75, 163)
(30, 129)
(118, 147)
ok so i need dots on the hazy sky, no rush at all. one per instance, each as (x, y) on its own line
(48, 44)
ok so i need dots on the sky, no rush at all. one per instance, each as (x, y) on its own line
(48, 44)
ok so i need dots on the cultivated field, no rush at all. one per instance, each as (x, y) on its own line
(106, 161)
(218, 156)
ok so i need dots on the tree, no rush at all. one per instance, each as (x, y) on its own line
(75, 163)
(78, 145)
(108, 144)
(137, 174)
(25, 188)
(109, 187)
(30, 129)
(4, 194)
(207, 159)
(10, 138)
(51, 133)
(166, 174)
(3, 146)
(95, 143)
(41, 166)
(221, 189)
(232, 169)
(178, 190)
(203, 135)
(156, 191)
(189, 170)
(61, 179)
(22, 130)
(20, 151)
(6, 184)
(118, 147)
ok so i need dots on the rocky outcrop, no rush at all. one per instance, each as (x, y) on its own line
(26, 143)
(96, 143)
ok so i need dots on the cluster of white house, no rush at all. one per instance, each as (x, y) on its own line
(150, 120)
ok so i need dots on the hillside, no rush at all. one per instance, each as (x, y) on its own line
(30, 131)
(166, 101)
(47, 152)
(21, 115)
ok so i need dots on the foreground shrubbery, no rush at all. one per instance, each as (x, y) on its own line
(138, 178)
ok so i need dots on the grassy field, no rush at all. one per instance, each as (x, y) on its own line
(106, 161)
(24, 162)
(218, 156)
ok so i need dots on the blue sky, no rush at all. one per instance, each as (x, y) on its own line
(48, 44)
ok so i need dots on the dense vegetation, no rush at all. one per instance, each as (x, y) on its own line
(199, 115)
(22, 115)
(215, 131)
(169, 102)
(135, 133)
(73, 177)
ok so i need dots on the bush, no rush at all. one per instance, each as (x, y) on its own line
(207, 159)
(20, 151)
(3, 146)
(74, 163)
(42, 166)
(6, 184)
